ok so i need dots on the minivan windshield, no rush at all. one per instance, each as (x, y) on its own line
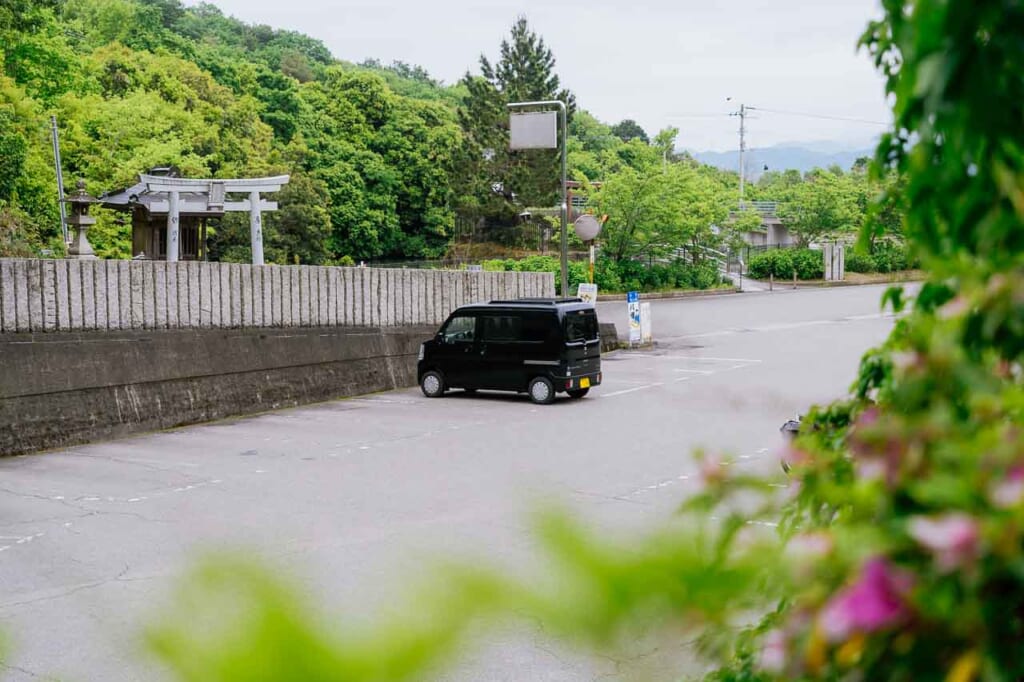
(581, 325)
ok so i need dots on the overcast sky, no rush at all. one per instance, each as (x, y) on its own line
(661, 63)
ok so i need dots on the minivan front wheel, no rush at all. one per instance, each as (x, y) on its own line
(542, 391)
(432, 384)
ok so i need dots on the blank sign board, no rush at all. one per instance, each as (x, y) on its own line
(534, 130)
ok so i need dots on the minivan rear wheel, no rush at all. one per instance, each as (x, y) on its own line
(432, 384)
(578, 392)
(542, 391)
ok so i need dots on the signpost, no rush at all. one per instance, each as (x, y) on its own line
(536, 130)
(533, 130)
(587, 292)
(633, 305)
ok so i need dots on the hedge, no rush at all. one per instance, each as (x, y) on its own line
(617, 277)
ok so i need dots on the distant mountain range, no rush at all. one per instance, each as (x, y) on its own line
(784, 157)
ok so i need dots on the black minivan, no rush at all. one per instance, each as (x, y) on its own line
(539, 346)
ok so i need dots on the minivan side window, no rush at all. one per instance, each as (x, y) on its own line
(502, 328)
(460, 328)
(526, 327)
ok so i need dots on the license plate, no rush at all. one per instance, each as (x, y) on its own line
(585, 382)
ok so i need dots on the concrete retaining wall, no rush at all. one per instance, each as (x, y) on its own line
(69, 295)
(59, 389)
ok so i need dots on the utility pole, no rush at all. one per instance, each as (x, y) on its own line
(742, 113)
(60, 181)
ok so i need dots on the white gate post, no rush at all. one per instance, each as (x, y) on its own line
(172, 228)
(256, 228)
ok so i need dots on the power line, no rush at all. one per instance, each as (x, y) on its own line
(821, 116)
(783, 112)
(698, 115)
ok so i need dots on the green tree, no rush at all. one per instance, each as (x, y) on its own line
(824, 204)
(525, 71)
(592, 135)
(654, 212)
(738, 226)
(776, 185)
(630, 130)
(13, 151)
(42, 60)
(301, 227)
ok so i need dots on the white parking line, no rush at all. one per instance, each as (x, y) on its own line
(783, 326)
(701, 358)
(629, 390)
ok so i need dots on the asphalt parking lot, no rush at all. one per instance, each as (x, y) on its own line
(350, 497)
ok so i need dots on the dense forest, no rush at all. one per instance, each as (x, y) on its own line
(385, 161)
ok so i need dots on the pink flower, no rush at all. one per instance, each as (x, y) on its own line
(878, 451)
(996, 282)
(774, 653)
(809, 546)
(954, 308)
(868, 417)
(872, 469)
(906, 360)
(875, 602)
(712, 471)
(791, 457)
(952, 538)
(1008, 493)
(806, 551)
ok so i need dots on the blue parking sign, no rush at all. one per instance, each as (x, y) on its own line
(633, 305)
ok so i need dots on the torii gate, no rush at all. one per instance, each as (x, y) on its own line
(214, 196)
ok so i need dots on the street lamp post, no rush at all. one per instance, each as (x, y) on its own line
(565, 207)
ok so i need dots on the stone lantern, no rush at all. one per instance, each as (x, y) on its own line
(80, 220)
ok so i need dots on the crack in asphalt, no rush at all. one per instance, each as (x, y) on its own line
(131, 462)
(71, 505)
(48, 519)
(611, 498)
(26, 671)
(68, 592)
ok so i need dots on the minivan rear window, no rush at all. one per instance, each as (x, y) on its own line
(581, 325)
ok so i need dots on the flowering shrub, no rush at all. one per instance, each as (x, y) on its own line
(913, 493)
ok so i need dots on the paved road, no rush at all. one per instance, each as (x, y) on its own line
(351, 496)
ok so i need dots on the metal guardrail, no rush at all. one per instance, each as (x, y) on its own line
(767, 209)
(761, 248)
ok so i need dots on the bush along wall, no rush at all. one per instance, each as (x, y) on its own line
(619, 276)
(884, 257)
